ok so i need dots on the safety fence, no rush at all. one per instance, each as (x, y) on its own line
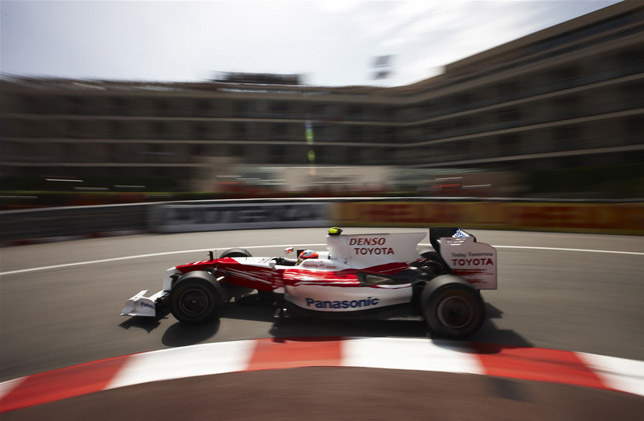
(173, 217)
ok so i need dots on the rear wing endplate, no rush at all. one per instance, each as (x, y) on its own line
(465, 256)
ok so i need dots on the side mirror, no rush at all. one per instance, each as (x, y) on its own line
(288, 250)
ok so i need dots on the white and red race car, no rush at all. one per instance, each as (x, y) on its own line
(381, 275)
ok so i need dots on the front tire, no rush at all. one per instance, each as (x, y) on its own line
(452, 308)
(235, 253)
(196, 299)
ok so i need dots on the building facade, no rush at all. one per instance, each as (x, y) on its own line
(569, 96)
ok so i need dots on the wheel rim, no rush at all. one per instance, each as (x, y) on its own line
(194, 302)
(455, 312)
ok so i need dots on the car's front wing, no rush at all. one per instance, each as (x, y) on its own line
(140, 305)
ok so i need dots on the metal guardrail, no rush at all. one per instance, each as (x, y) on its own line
(71, 221)
(626, 216)
(20, 225)
(190, 217)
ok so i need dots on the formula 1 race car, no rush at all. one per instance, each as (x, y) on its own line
(359, 275)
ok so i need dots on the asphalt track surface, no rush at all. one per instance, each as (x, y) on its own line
(60, 302)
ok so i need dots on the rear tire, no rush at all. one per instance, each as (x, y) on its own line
(196, 298)
(452, 308)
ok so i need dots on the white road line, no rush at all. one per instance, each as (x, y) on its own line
(143, 256)
(168, 253)
(633, 253)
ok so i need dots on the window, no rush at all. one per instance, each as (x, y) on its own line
(277, 153)
(278, 130)
(117, 105)
(634, 127)
(279, 107)
(319, 110)
(200, 131)
(239, 130)
(508, 145)
(355, 110)
(508, 114)
(390, 135)
(202, 107)
(240, 108)
(567, 138)
(197, 150)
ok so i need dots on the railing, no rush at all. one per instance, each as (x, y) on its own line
(621, 217)
(72, 221)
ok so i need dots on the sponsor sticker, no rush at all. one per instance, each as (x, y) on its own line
(342, 304)
(375, 241)
(486, 261)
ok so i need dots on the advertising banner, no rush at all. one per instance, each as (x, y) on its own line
(624, 218)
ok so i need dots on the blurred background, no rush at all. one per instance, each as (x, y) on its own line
(555, 113)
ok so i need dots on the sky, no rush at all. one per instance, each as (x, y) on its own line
(330, 43)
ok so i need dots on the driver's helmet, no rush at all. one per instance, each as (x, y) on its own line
(307, 254)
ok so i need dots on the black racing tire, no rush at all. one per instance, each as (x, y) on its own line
(196, 297)
(452, 308)
(235, 253)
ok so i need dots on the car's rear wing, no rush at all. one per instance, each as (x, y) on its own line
(465, 256)
(436, 234)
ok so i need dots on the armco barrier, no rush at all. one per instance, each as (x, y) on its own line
(223, 215)
(27, 226)
(571, 216)
(616, 218)
(45, 223)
